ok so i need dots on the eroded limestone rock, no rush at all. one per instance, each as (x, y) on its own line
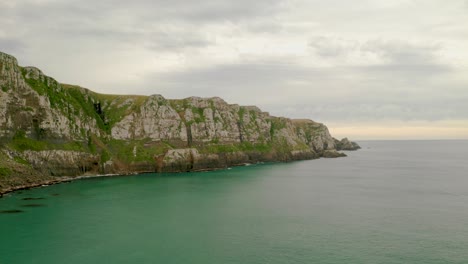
(125, 133)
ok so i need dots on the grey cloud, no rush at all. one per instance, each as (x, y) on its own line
(264, 26)
(159, 39)
(339, 93)
(145, 11)
(204, 11)
(157, 25)
(403, 64)
(390, 51)
(401, 52)
(408, 80)
(178, 40)
(12, 46)
(236, 74)
(262, 82)
(401, 75)
(364, 112)
(329, 47)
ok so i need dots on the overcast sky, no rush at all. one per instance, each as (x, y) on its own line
(369, 69)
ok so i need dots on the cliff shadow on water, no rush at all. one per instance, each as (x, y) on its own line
(49, 130)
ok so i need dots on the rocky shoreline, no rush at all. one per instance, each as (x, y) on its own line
(45, 183)
(50, 130)
(65, 179)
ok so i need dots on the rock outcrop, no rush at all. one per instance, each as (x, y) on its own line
(53, 129)
(346, 144)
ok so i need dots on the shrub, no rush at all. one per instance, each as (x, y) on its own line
(5, 171)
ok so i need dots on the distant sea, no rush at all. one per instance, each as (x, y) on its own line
(390, 202)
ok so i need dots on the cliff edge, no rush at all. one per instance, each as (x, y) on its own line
(49, 130)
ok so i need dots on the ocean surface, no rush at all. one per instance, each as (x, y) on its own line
(390, 202)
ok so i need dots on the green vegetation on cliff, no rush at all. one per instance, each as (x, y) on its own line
(4, 171)
(56, 129)
(21, 142)
(136, 150)
(243, 147)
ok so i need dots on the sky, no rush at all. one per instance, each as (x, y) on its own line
(368, 69)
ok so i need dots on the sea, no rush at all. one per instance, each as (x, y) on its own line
(389, 202)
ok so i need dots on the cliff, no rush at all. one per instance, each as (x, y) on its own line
(49, 130)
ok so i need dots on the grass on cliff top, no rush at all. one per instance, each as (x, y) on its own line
(236, 147)
(117, 100)
(74, 100)
(20, 142)
(136, 150)
(116, 107)
(71, 101)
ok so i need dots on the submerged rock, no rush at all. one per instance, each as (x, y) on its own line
(14, 211)
(33, 205)
(33, 198)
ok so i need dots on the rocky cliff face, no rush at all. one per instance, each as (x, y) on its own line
(55, 129)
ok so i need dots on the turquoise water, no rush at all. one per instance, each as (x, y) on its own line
(391, 202)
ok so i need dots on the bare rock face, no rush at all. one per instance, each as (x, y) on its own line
(59, 129)
(60, 162)
(155, 119)
(29, 103)
(316, 135)
(346, 144)
(180, 159)
(331, 153)
(11, 77)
